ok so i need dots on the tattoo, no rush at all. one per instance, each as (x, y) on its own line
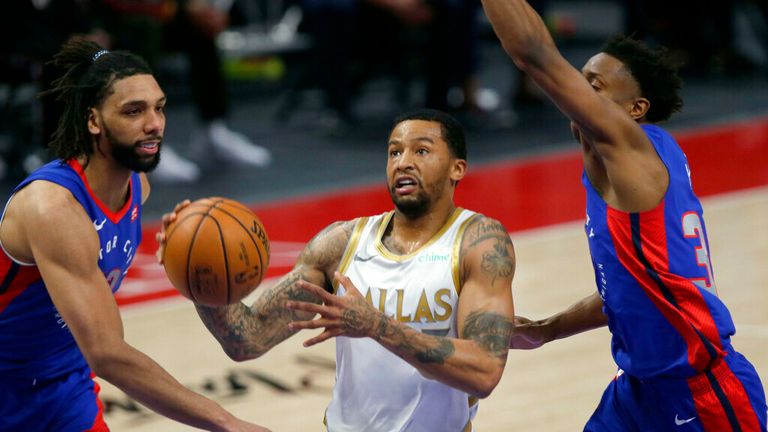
(249, 332)
(352, 320)
(383, 323)
(245, 332)
(325, 250)
(490, 330)
(439, 354)
(406, 340)
(484, 229)
(498, 263)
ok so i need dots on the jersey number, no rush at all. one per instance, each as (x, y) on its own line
(692, 228)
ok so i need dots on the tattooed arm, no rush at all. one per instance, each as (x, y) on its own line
(248, 332)
(474, 361)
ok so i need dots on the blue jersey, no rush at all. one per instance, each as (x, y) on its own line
(35, 343)
(655, 277)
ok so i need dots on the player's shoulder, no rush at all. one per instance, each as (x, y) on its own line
(335, 232)
(42, 198)
(480, 226)
(482, 232)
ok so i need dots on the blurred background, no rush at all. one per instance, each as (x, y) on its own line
(270, 99)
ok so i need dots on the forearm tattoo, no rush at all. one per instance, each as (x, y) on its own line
(249, 332)
(411, 343)
(490, 330)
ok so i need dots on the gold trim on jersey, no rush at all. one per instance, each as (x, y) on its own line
(399, 258)
(456, 254)
(349, 252)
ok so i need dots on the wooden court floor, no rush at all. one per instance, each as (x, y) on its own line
(552, 389)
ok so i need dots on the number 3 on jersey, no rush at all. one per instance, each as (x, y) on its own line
(692, 228)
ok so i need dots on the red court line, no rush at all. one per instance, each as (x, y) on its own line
(521, 194)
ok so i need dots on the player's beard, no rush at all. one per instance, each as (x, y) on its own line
(127, 156)
(414, 205)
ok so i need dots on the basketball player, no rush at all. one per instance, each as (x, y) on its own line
(419, 298)
(69, 233)
(647, 238)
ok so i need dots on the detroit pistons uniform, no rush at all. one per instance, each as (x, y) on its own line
(670, 331)
(377, 391)
(45, 382)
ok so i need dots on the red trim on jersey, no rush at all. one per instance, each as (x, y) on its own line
(113, 216)
(25, 276)
(710, 408)
(691, 309)
(99, 425)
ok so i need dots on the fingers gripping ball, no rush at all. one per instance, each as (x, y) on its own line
(216, 251)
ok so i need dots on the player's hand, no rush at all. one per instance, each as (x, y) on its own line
(348, 315)
(168, 218)
(527, 334)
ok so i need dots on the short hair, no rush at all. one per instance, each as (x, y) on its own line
(654, 72)
(451, 129)
(88, 73)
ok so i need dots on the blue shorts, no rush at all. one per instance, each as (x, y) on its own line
(66, 404)
(728, 397)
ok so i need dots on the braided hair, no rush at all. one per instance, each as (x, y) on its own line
(89, 71)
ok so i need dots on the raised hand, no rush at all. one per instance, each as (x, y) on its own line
(348, 315)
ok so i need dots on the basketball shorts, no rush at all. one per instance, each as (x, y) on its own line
(727, 397)
(66, 404)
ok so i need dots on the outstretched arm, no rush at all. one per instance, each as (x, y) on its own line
(67, 260)
(584, 315)
(475, 360)
(603, 104)
(248, 332)
(528, 42)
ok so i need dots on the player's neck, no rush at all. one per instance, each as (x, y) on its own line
(413, 232)
(108, 182)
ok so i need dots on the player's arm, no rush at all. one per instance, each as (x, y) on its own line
(584, 315)
(68, 263)
(475, 360)
(635, 173)
(528, 42)
(248, 332)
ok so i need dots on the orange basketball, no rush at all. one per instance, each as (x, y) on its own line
(216, 251)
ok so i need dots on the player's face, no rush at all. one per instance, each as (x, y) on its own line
(421, 168)
(611, 79)
(132, 119)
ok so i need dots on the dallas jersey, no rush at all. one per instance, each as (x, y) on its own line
(35, 343)
(375, 389)
(655, 277)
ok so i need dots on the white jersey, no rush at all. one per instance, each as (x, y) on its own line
(375, 390)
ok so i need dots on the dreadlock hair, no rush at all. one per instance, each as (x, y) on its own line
(452, 131)
(653, 70)
(89, 72)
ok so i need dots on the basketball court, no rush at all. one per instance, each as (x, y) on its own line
(541, 202)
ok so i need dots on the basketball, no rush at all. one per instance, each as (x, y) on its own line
(216, 251)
